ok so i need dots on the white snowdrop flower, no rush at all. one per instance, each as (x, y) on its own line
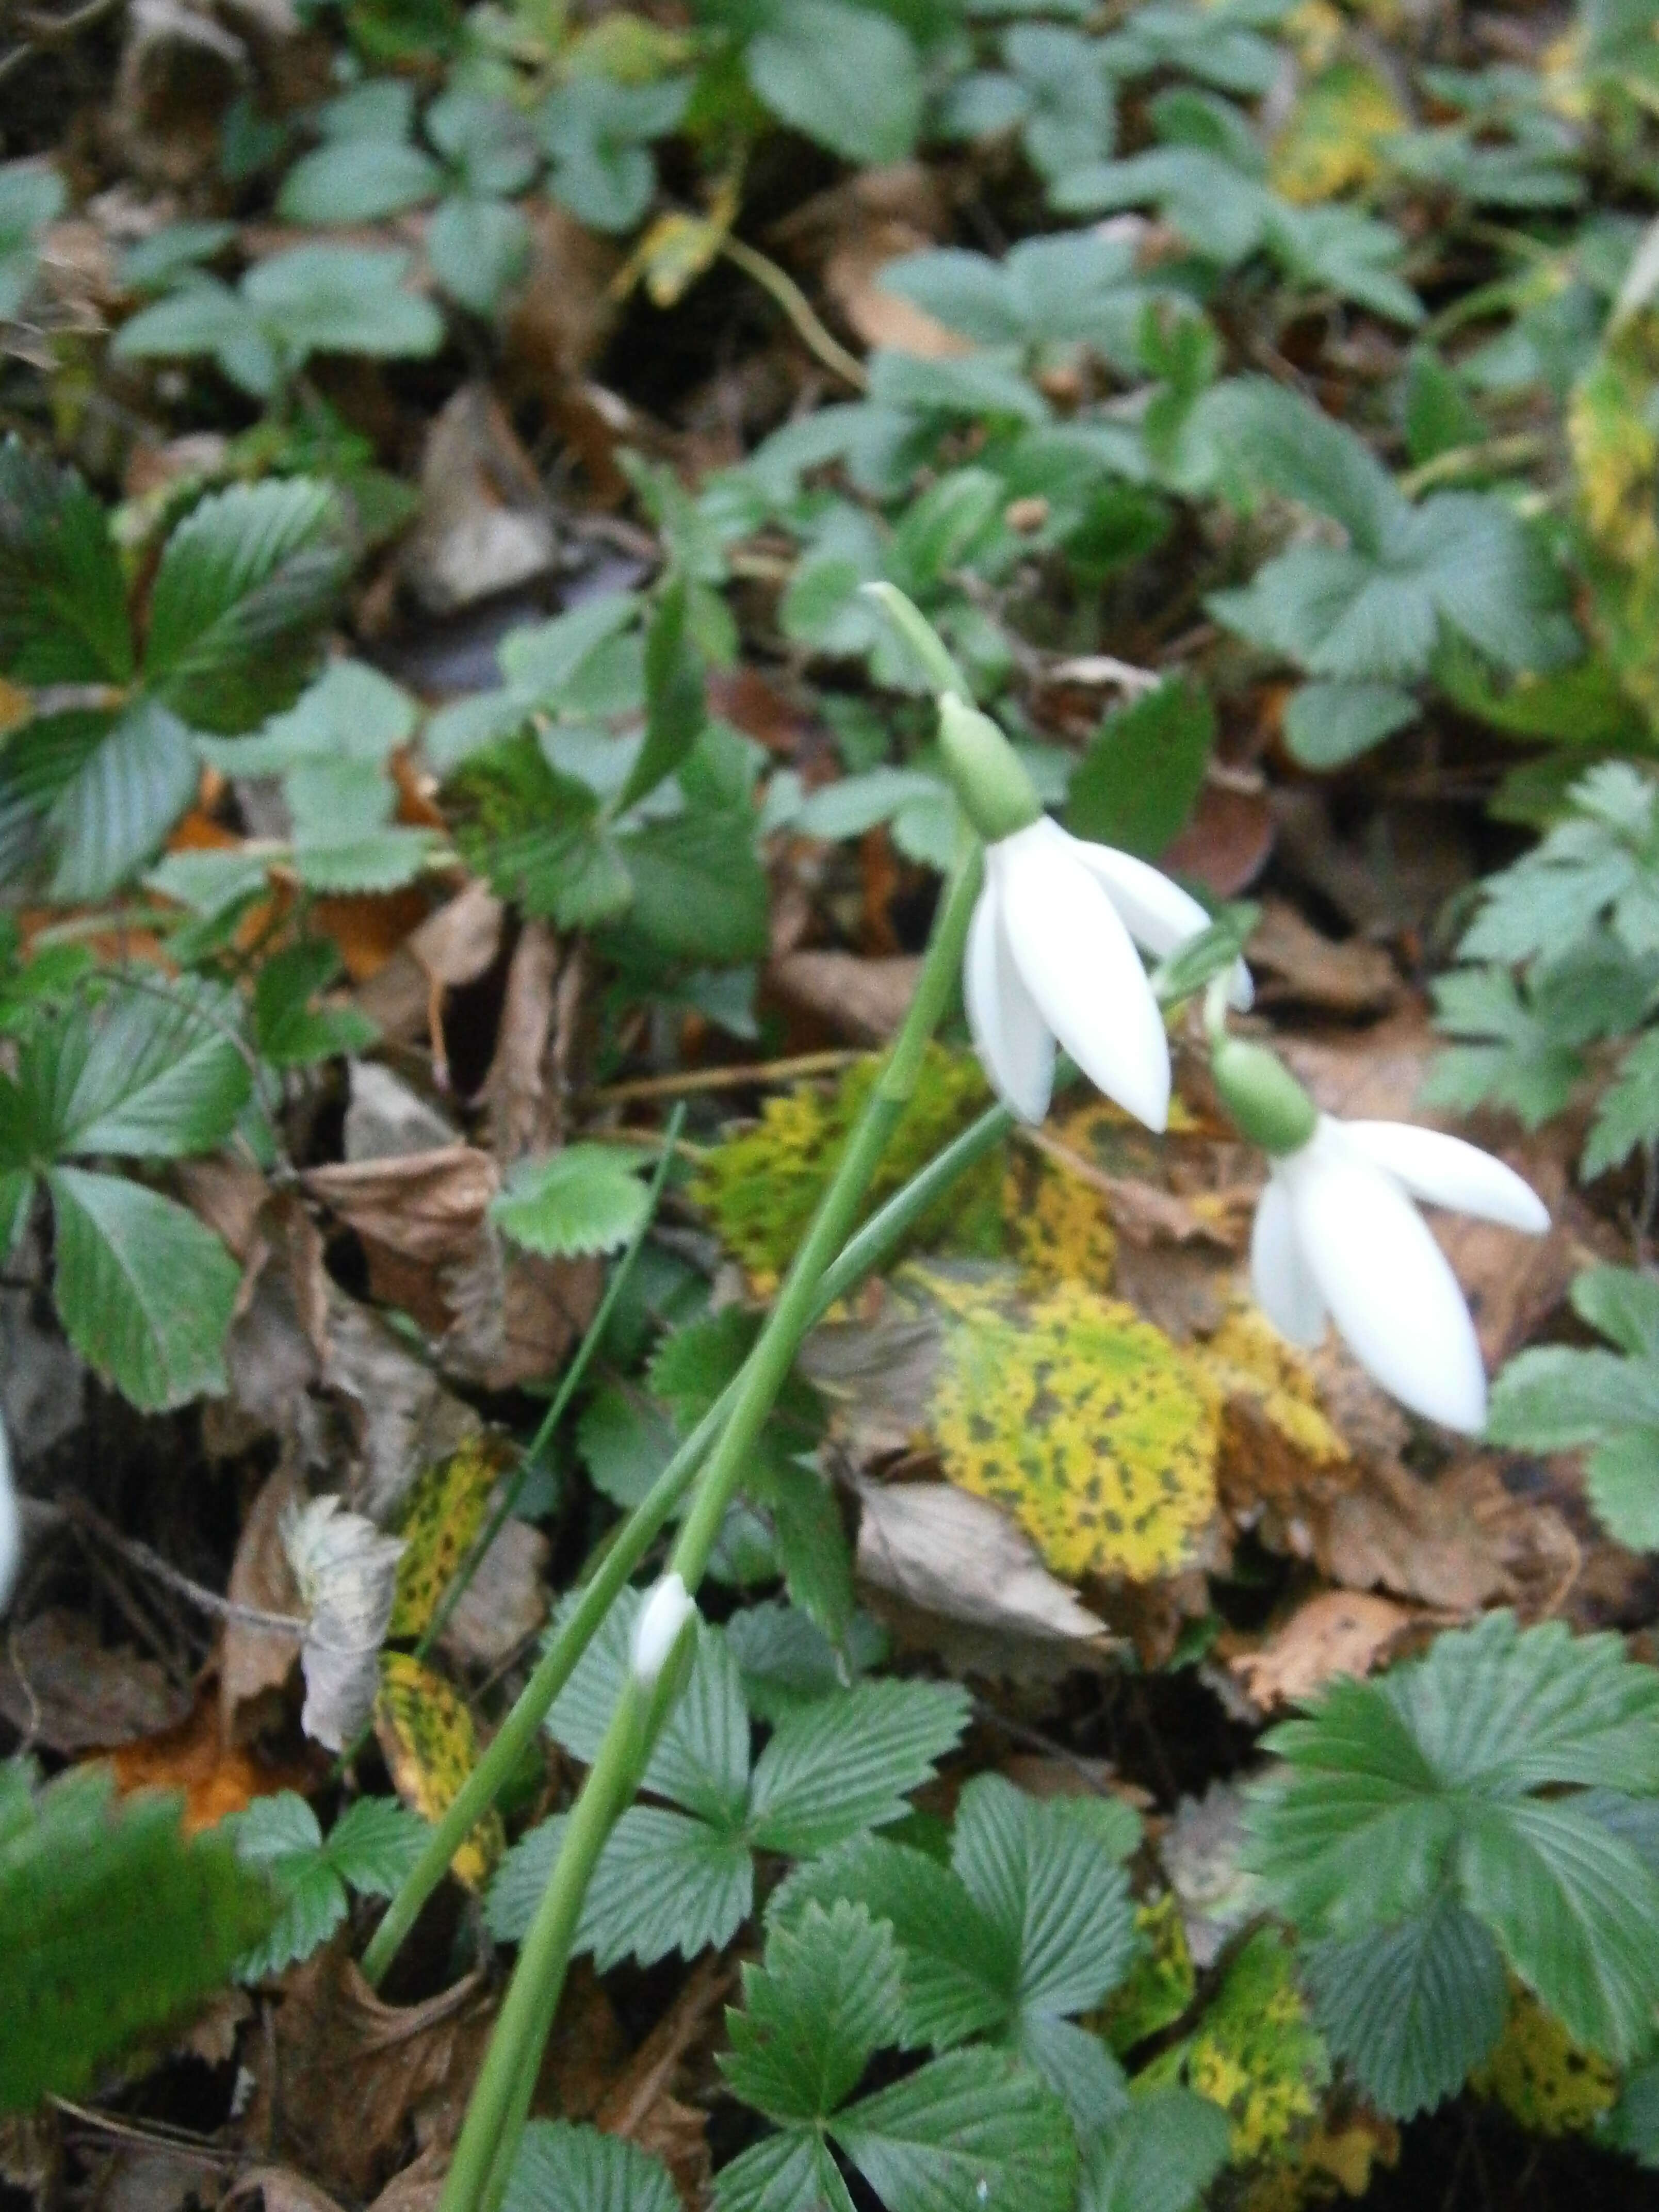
(1051, 953)
(1337, 1238)
(11, 1524)
(668, 1605)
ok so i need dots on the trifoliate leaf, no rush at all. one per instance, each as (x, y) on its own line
(1413, 2009)
(144, 1292)
(825, 2000)
(431, 1745)
(244, 586)
(110, 1924)
(1080, 1417)
(1401, 1790)
(851, 1762)
(580, 2169)
(971, 2128)
(150, 1074)
(62, 601)
(588, 1198)
(666, 1882)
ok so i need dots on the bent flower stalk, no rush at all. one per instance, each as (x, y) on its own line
(1337, 1236)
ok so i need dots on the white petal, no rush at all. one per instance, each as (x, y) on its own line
(1082, 970)
(1284, 1289)
(1013, 1041)
(11, 1532)
(1386, 1282)
(1157, 913)
(1445, 1171)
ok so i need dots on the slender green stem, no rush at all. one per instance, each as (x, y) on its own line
(500, 2097)
(569, 1383)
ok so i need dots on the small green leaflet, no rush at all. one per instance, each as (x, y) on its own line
(578, 2169)
(587, 1198)
(971, 2128)
(111, 1924)
(846, 75)
(684, 1879)
(1555, 1397)
(1158, 2155)
(372, 1847)
(1403, 1797)
(1142, 774)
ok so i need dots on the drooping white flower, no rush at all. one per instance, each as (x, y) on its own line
(11, 1524)
(668, 1605)
(1051, 958)
(1337, 1238)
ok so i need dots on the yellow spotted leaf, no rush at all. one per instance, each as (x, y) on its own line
(1316, 30)
(1615, 451)
(1247, 1359)
(426, 1732)
(1331, 141)
(1057, 1227)
(760, 1186)
(1083, 1420)
(442, 1518)
(1257, 2054)
(1161, 1983)
(1541, 2077)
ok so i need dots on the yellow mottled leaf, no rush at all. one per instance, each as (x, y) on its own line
(1084, 1421)
(431, 1745)
(1056, 1224)
(1540, 2077)
(628, 48)
(1330, 142)
(1161, 1983)
(1316, 30)
(1257, 2054)
(442, 1518)
(1615, 451)
(1248, 1359)
(760, 1184)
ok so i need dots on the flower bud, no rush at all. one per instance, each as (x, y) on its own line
(997, 795)
(1265, 1100)
(668, 1605)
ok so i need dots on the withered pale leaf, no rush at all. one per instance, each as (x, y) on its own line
(347, 1574)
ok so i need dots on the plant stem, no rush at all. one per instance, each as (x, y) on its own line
(501, 2095)
(634, 1537)
(569, 1383)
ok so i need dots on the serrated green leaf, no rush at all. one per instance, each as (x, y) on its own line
(666, 1882)
(97, 790)
(1328, 724)
(342, 299)
(1160, 2156)
(374, 1844)
(288, 1029)
(147, 1075)
(1140, 778)
(479, 248)
(786, 1660)
(971, 2128)
(144, 1292)
(1054, 1892)
(279, 1835)
(62, 601)
(701, 1758)
(110, 1923)
(579, 2169)
(1411, 2010)
(851, 1763)
(358, 181)
(791, 2172)
(588, 1198)
(1627, 1111)
(825, 2000)
(245, 585)
(846, 76)
(700, 892)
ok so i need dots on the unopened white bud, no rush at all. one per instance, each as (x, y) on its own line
(668, 1605)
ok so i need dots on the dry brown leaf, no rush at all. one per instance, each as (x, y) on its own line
(949, 1554)
(347, 2088)
(484, 524)
(63, 1690)
(639, 2103)
(1226, 844)
(514, 1090)
(1338, 1632)
(1294, 965)
(153, 2177)
(505, 1602)
(1460, 1542)
(254, 1663)
(401, 1417)
(428, 1207)
(858, 998)
(880, 318)
(586, 2050)
(281, 2188)
(564, 311)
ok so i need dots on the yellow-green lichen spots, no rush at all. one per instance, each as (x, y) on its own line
(1082, 1419)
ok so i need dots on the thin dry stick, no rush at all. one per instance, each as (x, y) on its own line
(151, 1563)
(721, 1078)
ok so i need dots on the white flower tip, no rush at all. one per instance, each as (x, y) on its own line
(1241, 989)
(668, 1605)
